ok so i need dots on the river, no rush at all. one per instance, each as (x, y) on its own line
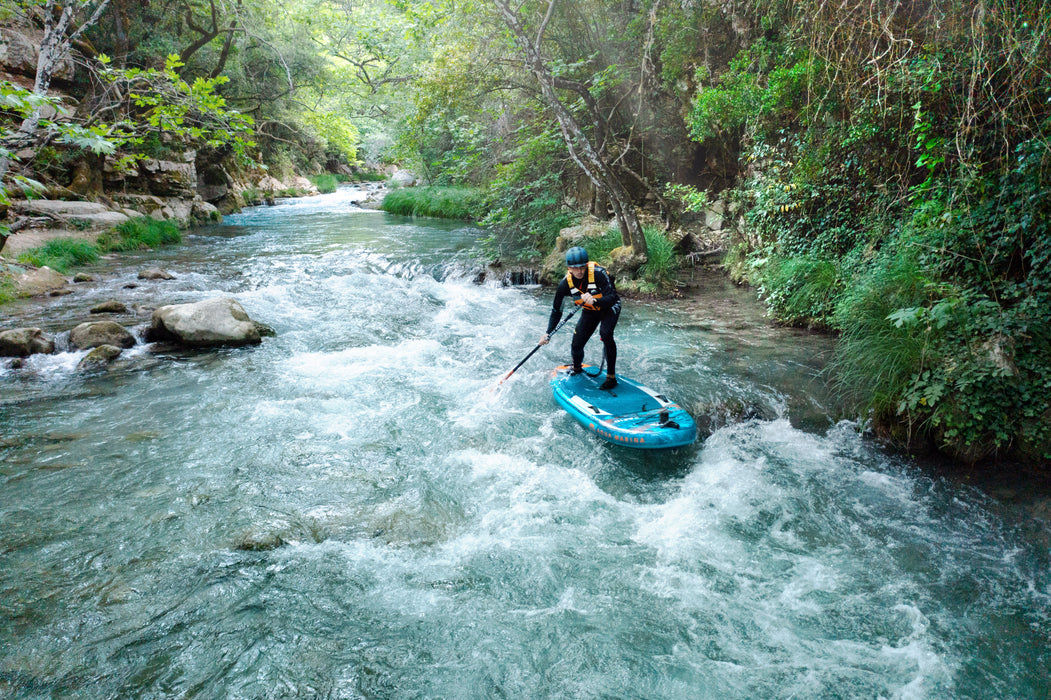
(353, 509)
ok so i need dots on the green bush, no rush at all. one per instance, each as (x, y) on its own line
(252, 196)
(464, 203)
(803, 291)
(524, 203)
(326, 183)
(658, 274)
(61, 254)
(139, 233)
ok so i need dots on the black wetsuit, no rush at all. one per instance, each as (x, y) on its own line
(604, 317)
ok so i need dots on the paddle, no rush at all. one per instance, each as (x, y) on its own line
(539, 345)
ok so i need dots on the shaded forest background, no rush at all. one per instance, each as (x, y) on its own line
(882, 167)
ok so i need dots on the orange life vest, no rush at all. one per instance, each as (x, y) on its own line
(592, 288)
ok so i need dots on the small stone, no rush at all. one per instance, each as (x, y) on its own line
(83, 277)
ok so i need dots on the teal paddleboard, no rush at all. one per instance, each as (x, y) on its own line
(630, 414)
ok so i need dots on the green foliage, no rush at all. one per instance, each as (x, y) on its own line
(61, 254)
(252, 196)
(139, 233)
(803, 290)
(658, 274)
(7, 288)
(960, 346)
(751, 93)
(881, 204)
(326, 183)
(163, 103)
(877, 357)
(524, 202)
(442, 202)
(689, 198)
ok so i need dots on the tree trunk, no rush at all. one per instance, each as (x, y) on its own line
(53, 48)
(581, 149)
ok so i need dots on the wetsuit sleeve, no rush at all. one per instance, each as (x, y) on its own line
(606, 289)
(556, 306)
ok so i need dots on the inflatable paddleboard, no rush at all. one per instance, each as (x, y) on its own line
(629, 414)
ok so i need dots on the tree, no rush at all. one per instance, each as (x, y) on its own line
(61, 30)
(584, 152)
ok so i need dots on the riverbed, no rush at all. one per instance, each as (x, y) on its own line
(355, 508)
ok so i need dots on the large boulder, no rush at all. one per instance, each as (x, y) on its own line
(22, 342)
(208, 323)
(403, 178)
(38, 282)
(73, 214)
(95, 333)
(20, 50)
(168, 178)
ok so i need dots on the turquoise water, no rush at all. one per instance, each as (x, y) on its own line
(353, 510)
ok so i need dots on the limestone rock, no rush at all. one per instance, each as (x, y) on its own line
(57, 208)
(84, 215)
(95, 333)
(20, 50)
(713, 220)
(303, 185)
(22, 342)
(205, 213)
(168, 178)
(38, 282)
(212, 322)
(403, 178)
(99, 357)
(271, 185)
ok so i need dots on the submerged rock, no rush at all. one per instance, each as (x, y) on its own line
(22, 342)
(155, 273)
(95, 333)
(259, 541)
(109, 307)
(209, 323)
(99, 357)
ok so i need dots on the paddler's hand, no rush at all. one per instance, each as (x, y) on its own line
(544, 339)
(587, 298)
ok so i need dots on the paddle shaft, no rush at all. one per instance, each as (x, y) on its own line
(540, 345)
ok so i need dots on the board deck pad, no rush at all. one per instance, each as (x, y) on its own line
(630, 414)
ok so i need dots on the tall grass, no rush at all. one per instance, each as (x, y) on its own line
(326, 183)
(464, 203)
(61, 254)
(139, 233)
(875, 360)
(658, 274)
(7, 288)
(803, 290)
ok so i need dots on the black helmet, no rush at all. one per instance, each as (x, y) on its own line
(576, 256)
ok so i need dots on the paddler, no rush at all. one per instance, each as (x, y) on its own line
(592, 289)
